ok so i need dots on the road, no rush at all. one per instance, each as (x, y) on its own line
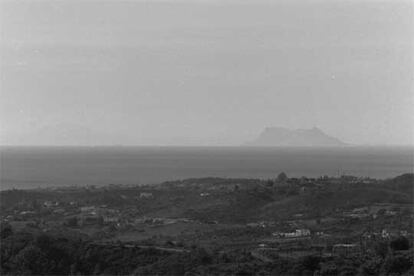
(160, 248)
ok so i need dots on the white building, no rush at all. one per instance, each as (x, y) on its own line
(298, 233)
(145, 195)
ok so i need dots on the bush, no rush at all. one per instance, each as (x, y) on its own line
(371, 267)
(311, 263)
(397, 264)
(400, 243)
(381, 249)
(6, 230)
(282, 178)
(329, 269)
(31, 260)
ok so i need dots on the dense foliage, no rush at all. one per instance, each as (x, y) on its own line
(24, 253)
(211, 226)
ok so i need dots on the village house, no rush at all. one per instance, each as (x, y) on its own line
(89, 210)
(27, 213)
(390, 213)
(145, 195)
(50, 204)
(298, 233)
(110, 219)
(385, 234)
(257, 224)
(59, 211)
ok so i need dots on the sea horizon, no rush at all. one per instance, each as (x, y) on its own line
(27, 167)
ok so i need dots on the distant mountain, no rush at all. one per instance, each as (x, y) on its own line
(279, 137)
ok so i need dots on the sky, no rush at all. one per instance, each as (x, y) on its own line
(204, 72)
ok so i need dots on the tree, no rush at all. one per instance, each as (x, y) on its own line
(6, 230)
(397, 264)
(71, 222)
(97, 269)
(329, 269)
(44, 241)
(381, 212)
(73, 269)
(31, 260)
(381, 248)
(311, 262)
(282, 177)
(400, 243)
(371, 267)
(202, 256)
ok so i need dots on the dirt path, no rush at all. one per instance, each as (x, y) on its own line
(165, 249)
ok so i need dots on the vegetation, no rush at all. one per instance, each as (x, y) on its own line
(50, 254)
(212, 226)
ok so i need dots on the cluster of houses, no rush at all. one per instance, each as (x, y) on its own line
(160, 221)
(385, 234)
(371, 211)
(298, 233)
(317, 182)
(102, 215)
(146, 195)
(345, 249)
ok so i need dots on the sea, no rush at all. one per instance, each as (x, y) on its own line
(43, 167)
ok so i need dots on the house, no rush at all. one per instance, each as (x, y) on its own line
(110, 219)
(49, 204)
(385, 234)
(360, 210)
(9, 218)
(59, 211)
(303, 232)
(89, 209)
(404, 233)
(390, 213)
(298, 233)
(256, 224)
(145, 195)
(358, 213)
(26, 213)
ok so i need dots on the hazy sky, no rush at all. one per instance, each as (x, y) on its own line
(204, 72)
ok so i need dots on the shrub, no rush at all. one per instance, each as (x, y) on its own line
(6, 230)
(381, 249)
(400, 243)
(397, 264)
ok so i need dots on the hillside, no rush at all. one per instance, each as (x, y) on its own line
(230, 200)
(208, 226)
